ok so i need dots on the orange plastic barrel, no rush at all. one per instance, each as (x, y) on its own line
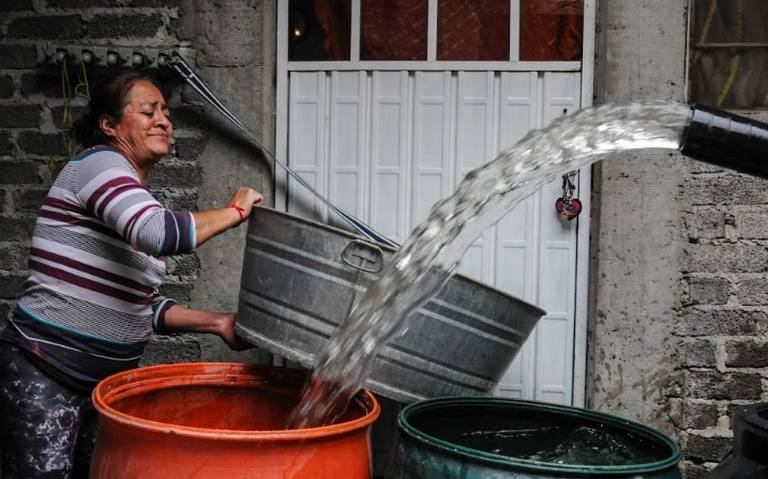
(211, 420)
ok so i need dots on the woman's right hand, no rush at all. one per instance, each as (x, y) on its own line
(212, 222)
(246, 198)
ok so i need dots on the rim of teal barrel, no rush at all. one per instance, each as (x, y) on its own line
(537, 466)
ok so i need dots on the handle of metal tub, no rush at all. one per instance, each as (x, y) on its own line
(182, 68)
(363, 256)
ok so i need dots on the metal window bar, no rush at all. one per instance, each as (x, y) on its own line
(731, 45)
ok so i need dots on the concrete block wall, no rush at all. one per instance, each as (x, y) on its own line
(31, 107)
(724, 316)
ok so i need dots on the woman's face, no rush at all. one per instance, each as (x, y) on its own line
(144, 132)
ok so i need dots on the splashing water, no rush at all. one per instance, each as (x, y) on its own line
(432, 252)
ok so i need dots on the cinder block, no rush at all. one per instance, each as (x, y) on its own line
(16, 5)
(190, 148)
(726, 189)
(698, 353)
(708, 290)
(79, 3)
(29, 200)
(752, 225)
(727, 258)
(36, 143)
(176, 199)
(692, 470)
(11, 285)
(8, 256)
(111, 25)
(746, 354)
(44, 82)
(714, 385)
(157, 3)
(189, 116)
(697, 415)
(7, 86)
(5, 312)
(19, 116)
(728, 322)
(18, 56)
(20, 172)
(185, 265)
(705, 224)
(710, 449)
(53, 27)
(5, 142)
(16, 228)
(176, 174)
(178, 291)
(171, 349)
(752, 291)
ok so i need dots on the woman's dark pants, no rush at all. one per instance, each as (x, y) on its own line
(47, 430)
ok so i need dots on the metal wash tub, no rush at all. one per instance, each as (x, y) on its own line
(301, 278)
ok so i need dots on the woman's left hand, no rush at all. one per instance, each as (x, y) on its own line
(227, 333)
(182, 319)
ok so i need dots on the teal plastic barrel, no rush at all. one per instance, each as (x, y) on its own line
(498, 438)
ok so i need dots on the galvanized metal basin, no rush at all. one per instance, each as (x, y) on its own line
(300, 279)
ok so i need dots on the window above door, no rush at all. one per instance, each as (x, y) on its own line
(434, 34)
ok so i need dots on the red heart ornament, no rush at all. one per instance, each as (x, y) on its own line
(568, 210)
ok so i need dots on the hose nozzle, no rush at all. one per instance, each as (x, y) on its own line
(724, 139)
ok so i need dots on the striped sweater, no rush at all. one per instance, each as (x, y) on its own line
(96, 262)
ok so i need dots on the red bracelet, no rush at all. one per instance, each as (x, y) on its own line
(240, 212)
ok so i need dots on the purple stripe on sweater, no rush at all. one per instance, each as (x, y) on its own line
(121, 180)
(105, 230)
(63, 205)
(88, 284)
(170, 240)
(185, 225)
(86, 268)
(120, 189)
(128, 229)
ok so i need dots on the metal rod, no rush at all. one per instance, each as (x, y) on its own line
(182, 68)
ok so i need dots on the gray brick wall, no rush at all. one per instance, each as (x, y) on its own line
(723, 321)
(31, 107)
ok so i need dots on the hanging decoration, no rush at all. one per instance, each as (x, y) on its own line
(81, 89)
(567, 206)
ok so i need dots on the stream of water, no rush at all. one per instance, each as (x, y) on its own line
(431, 253)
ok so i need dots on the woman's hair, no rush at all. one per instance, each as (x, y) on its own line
(109, 97)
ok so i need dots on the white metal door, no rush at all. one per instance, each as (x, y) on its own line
(386, 145)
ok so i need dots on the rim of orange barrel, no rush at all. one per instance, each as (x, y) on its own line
(151, 378)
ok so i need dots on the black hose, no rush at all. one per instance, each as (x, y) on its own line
(724, 139)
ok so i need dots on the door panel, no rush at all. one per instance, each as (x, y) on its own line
(432, 174)
(386, 145)
(389, 153)
(346, 158)
(475, 132)
(308, 159)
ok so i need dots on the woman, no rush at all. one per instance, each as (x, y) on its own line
(96, 262)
